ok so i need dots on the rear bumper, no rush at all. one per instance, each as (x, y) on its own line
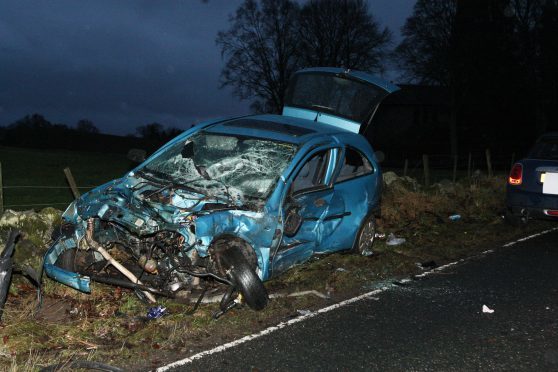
(531, 204)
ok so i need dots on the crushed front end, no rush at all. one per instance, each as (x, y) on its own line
(177, 223)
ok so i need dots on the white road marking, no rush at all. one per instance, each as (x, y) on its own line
(530, 237)
(369, 295)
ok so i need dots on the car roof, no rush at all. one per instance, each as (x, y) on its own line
(548, 135)
(276, 127)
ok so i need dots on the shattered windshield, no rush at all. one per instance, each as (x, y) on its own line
(224, 165)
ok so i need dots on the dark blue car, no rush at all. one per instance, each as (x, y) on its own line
(532, 189)
(236, 201)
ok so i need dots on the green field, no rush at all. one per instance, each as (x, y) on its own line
(34, 179)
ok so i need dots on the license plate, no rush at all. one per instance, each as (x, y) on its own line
(550, 183)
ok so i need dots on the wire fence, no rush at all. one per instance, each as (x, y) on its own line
(52, 195)
(429, 169)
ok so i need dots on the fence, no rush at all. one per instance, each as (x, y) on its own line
(72, 187)
(432, 168)
(428, 169)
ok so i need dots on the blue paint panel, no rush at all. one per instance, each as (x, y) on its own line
(364, 76)
(336, 121)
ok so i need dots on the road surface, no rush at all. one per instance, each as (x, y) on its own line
(435, 323)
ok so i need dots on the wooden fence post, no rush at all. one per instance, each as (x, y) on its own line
(1, 193)
(469, 164)
(405, 167)
(426, 170)
(454, 168)
(489, 163)
(71, 182)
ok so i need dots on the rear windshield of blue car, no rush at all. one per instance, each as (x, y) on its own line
(545, 149)
(334, 94)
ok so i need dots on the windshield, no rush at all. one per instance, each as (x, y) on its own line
(334, 94)
(546, 149)
(224, 165)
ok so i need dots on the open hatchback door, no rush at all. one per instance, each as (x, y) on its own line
(343, 98)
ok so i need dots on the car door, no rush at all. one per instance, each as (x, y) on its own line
(311, 209)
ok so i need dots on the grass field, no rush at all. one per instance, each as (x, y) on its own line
(33, 168)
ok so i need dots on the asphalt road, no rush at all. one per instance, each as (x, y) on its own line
(434, 323)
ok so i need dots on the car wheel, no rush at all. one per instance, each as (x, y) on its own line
(244, 278)
(366, 236)
(515, 219)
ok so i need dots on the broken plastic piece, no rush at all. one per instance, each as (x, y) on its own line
(6, 263)
(156, 312)
(455, 217)
(393, 240)
(487, 310)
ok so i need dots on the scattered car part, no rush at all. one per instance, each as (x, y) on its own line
(6, 267)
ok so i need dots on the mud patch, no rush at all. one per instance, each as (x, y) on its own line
(55, 311)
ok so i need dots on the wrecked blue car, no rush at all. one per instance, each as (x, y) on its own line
(235, 201)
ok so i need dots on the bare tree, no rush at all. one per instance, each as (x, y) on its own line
(424, 55)
(86, 126)
(342, 34)
(260, 52)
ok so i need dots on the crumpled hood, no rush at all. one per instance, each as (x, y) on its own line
(143, 209)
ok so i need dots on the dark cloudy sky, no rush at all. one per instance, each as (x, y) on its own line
(121, 63)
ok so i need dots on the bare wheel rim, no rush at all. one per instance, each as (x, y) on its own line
(367, 235)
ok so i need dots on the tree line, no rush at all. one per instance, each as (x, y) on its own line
(498, 59)
(35, 131)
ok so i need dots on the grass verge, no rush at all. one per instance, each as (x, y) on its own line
(110, 325)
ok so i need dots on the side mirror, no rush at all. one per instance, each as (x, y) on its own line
(380, 156)
(293, 221)
(136, 155)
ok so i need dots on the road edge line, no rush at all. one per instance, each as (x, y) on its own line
(326, 309)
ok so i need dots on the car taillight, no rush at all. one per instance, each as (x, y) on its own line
(550, 212)
(516, 174)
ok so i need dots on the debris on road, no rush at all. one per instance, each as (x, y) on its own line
(487, 310)
(455, 217)
(393, 240)
(156, 312)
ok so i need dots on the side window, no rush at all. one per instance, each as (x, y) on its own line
(312, 174)
(355, 164)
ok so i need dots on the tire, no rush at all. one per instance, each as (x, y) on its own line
(67, 260)
(365, 236)
(515, 220)
(244, 278)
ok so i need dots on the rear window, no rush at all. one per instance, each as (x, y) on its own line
(546, 149)
(334, 94)
(355, 164)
